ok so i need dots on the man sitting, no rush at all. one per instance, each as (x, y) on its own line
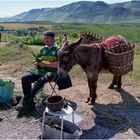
(46, 64)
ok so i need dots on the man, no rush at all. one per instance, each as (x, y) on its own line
(46, 64)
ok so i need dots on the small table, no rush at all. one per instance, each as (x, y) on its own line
(63, 112)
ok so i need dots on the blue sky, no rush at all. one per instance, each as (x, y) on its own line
(13, 7)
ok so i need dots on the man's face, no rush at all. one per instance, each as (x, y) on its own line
(49, 41)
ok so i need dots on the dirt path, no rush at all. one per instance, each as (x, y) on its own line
(114, 116)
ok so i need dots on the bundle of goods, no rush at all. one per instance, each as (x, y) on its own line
(120, 58)
(52, 127)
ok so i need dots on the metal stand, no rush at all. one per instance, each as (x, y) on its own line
(63, 112)
(53, 88)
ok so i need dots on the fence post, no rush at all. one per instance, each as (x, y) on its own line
(0, 36)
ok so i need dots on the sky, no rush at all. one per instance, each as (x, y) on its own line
(12, 7)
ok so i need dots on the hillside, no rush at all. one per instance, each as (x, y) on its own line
(85, 12)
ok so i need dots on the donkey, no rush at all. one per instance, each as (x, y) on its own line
(92, 59)
(88, 38)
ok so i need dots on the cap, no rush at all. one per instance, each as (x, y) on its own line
(49, 33)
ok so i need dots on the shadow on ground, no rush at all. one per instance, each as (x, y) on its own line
(112, 119)
(40, 107)
(37, 113)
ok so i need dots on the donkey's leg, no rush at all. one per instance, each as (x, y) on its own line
(93, 94)
(93, 86)
(114, 82)
(89, 85)
(119, 82)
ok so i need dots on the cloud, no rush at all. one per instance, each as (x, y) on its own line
(6, 14)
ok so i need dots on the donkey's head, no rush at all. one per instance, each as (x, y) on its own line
(67, 57)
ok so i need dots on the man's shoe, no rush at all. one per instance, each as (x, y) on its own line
(21, 105)
(30, 106)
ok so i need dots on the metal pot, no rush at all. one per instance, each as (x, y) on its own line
(55, 103)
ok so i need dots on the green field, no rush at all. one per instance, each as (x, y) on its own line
(130, 31)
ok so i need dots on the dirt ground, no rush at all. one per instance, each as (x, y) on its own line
(115, 115)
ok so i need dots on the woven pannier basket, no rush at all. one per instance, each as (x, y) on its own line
(120, 58)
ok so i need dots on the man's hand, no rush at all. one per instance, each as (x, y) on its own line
(42, 64)
(36, 64)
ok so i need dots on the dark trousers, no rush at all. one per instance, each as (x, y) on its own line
(29, 92)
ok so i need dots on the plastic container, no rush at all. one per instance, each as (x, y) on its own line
(6, 91)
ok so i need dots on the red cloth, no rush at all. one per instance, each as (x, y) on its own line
(111, 41)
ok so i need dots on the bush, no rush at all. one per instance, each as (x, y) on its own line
(26, 40)
(38, 41)
(74, 35)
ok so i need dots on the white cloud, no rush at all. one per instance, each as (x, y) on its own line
(6, 14)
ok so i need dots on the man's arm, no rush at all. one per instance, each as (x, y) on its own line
(44, 64)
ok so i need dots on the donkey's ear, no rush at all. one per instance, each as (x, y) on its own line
(72, 45)
(65, 38)
(77, 42)
(81, 33)
(66, 43)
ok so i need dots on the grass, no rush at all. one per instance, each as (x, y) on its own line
(131, 33)
(17, 26)
(136, 72)
(14, 54)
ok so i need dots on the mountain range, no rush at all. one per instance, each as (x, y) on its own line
(83, 12)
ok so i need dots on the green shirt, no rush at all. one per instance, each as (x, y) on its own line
(47, 54)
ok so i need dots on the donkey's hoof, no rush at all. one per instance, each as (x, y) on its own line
(88, 99)
(111, 86)
(91, 102)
